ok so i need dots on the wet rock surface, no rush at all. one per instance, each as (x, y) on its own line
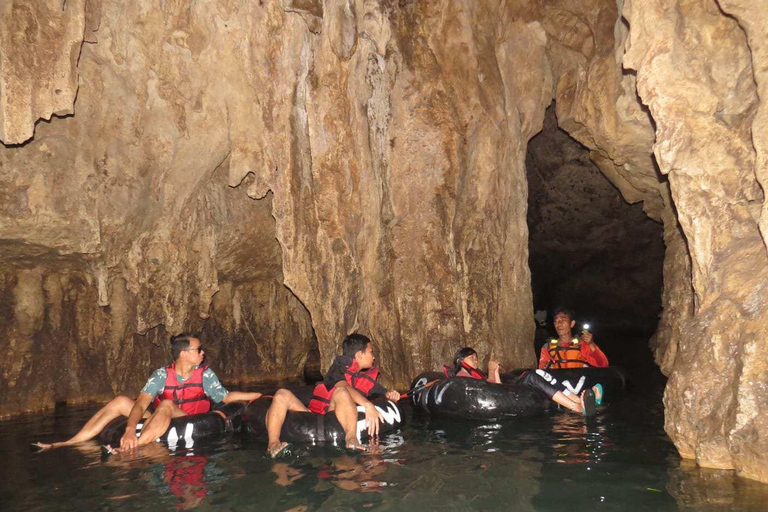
(279, 174)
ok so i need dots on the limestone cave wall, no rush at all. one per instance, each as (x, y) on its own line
(666, 97)
(280, 173)
(389, 137)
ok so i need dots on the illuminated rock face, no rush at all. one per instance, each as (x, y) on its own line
(271, 172)
(701, 73)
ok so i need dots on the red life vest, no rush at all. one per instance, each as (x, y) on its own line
(363, 381)
(186, 476)
(474, 373)
(189, 397)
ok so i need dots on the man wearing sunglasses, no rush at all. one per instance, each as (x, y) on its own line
(183, 388)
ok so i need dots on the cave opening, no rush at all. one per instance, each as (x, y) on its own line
(589, 250)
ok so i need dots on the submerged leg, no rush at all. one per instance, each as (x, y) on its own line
(120, 406)
(282, 402)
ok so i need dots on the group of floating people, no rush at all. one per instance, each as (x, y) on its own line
(187, 388)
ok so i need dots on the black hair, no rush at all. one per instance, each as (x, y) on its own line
(353, 344)
(180, 342)
(563, 310)
(461, 355)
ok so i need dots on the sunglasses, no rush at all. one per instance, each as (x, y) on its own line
(199, 349)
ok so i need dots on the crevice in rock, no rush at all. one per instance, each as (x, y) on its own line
(589, 249)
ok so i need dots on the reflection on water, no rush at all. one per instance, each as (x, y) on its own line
(620, 460)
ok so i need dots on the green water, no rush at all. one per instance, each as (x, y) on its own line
(620, 460)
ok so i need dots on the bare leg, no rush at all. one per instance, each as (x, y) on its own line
(283, 402)
(570, 401)
(158, 423)
(346, 413)
(120, 406)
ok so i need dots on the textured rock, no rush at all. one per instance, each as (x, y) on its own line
(695, 73)
(398, 205)
(38, 67)
(417, 196)
(127, 206)
(589, 249)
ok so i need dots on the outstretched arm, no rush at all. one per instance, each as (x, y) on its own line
(234, 396)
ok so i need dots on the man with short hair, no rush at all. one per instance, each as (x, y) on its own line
(348, 383)
(185, 387)
(567, 351)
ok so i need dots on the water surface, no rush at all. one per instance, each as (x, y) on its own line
(620, 460)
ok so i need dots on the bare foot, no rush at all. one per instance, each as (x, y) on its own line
(39, 447)
(354, 444)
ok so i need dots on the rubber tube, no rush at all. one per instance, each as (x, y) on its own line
(185, 430)
(306, 427)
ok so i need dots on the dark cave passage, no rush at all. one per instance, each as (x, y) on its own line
(590, 250)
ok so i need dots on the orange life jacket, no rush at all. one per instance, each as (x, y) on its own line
(189, 397)
(565, 357)
(363, 381)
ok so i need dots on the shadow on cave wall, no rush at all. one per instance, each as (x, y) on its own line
(590, 250)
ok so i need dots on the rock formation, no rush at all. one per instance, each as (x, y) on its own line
(278, 171)
(589, 249)
(695, 71)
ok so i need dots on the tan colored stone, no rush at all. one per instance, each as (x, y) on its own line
(41, 42)
(263, 170)
(695, 72)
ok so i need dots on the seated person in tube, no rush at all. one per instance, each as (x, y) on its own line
(185, 387)
(568, 351)
(465, 365)
(348, 383)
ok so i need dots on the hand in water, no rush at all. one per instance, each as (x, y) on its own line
(372, 419)
(129, 441)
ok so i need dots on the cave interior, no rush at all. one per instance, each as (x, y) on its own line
(281, 173)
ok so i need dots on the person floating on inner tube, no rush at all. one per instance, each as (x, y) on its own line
(465, 365)
(348, 383)
(567, 351)
(185, 387)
